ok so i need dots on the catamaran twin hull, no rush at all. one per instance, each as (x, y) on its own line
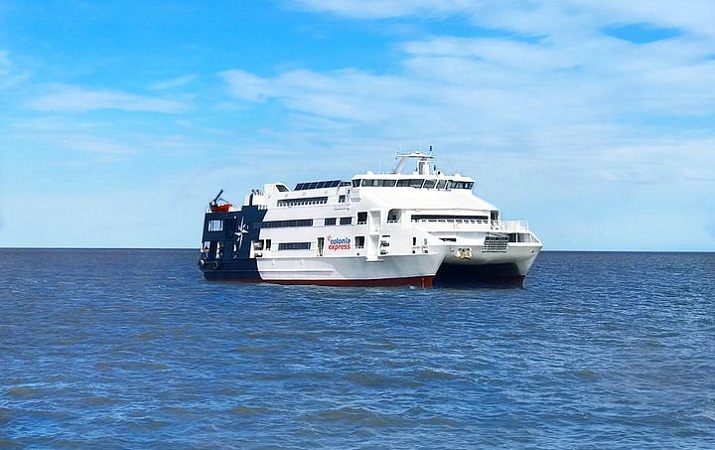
(421, 229)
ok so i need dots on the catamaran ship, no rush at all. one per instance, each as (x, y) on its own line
(422, 228)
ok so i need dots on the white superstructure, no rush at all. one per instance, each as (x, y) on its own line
(416, 228)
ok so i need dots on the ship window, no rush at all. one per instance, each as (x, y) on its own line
(303, 201)
(359, 241)
(285, 223)
(461, 185)
(346, 220)
(414, 240)
(370, 182)
(429, 184)
(441, 184)
(393, 216)
(294, 246)
(215, 225)
(281, 188)
(388, 183)
(268, 244)
(520, 237)
(494, 215)
(356, 183)
(412, 182)
(330, 221)
(362, 218)
(341, 199)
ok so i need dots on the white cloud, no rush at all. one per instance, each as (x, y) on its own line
(246, 85)
(172, 83)
(569, 74)
(371, 9)
(65, 98)
(531, 17)
(574, 120)
(10, 74)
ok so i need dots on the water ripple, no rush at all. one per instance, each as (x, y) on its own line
(132, 349)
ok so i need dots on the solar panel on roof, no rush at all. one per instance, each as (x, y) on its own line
(318, 185)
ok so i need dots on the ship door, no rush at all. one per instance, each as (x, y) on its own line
(321, 245)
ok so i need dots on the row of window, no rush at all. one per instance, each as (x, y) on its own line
(392, 217)
(302, 222)
(303, 201)
(359, 243)
(284, 223)
(343, 221)
(217, 225)
(418, 183)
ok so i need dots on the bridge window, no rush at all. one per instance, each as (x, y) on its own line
(461, 185)
(429, 184)
(412, 182)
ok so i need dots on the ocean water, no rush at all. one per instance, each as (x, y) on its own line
(132, 349)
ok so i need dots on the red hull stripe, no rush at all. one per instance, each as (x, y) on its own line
(423, 282)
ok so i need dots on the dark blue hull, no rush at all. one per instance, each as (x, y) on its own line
(489, 275)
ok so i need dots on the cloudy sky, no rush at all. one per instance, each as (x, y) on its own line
(593, 119)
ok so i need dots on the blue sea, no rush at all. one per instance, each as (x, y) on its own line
(132, 349)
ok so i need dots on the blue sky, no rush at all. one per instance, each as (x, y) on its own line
(593, 119)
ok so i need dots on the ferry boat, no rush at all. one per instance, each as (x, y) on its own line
(423, 228)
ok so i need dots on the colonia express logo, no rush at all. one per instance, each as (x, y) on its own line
(338, 243)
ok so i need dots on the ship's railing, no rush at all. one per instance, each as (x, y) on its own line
(452, 220)
(493, 225)
(511, 225)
